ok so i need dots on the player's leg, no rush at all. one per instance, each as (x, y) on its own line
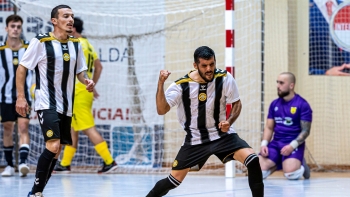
(8, 118)
(188, 156)
(269, 164)
(101, 148)
(292, 164)
(50, 125)
(163, 186)
(231, 147)
(68, 153)
(23, 124)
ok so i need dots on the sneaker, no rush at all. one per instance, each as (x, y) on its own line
(306, 173)
(23, 169)
(108, 168)
(61, 169)
(9, 171)
(38, 194)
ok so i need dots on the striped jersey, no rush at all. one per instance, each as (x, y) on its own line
(56, 64)
(9, 60)
(90, 57)
(201, 106)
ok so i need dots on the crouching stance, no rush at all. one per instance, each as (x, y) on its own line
(201, 97)
(289, 119)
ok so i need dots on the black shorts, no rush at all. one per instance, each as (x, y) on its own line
(8, 112)
(195, 156)
(55, 126)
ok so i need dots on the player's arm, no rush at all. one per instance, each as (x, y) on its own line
(97, 70)
(268, 131)
(235, 111)
(84, 78)
(22, 107)
(162, 105)
(305, 132)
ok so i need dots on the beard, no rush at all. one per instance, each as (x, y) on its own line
(283, 94)
(204, 77)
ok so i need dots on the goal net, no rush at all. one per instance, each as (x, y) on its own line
(135, 40)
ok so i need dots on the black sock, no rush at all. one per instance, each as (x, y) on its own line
(53, 164)
(42, 170)
(23, 153)
(255, 178)
(163, 186)
(8, 155)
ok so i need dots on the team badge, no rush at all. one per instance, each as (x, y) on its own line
(293, 110)
(49, 133)
(15, 61)
(175, 163)
(202, 97)
(66, 57)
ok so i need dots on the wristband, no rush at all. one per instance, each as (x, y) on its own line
(294, 144)
(264, 143)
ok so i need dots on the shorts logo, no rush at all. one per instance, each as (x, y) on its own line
(49, 133)
(202, 97)
(66, 57)
(175, 163)
(15, 61)
(293, 110)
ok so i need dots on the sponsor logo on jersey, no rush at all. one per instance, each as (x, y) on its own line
(202, 97)
(49, 133)
(64, 47)
(66, 57)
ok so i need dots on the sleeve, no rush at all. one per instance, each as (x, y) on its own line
(231, 89)
(81, 64)
(271, 115)
(173, 94)
(306, 112)
(33, 54)
(94, 53)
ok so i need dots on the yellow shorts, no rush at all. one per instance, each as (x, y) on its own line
(82, 111)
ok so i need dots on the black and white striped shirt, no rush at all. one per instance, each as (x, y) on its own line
(201, 106)
(9, 61)
(56, 65)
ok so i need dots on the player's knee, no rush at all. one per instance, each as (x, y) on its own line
(8, 128)
(53, 145)
(295, 175)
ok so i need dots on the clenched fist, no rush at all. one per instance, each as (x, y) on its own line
(163, 75)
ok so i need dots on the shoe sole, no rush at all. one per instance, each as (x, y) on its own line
(109, 171)
(61, 172)
(24, 172)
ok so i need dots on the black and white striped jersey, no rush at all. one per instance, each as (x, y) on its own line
(201, 106)
(56, 65)
(9, 61)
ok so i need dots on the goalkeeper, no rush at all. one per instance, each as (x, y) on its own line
(82, 111)
(289, 119)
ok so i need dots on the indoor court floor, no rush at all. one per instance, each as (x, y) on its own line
(132, 185)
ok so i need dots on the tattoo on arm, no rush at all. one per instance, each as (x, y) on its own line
(85, 75)
(305, 131)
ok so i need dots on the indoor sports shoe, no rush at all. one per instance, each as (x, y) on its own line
(38, 194)
(61, 169)
(8, 171)
(108, 168)
(306, 173)
(23, 170)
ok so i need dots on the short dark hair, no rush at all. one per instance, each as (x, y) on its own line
(54, 12)
(78, 24)
(203, 52)
(14, 18)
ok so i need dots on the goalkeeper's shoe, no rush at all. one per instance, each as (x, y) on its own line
(108, 168)
(38, 194)
(61, 169)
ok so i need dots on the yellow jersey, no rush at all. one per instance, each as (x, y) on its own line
(90, 57)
